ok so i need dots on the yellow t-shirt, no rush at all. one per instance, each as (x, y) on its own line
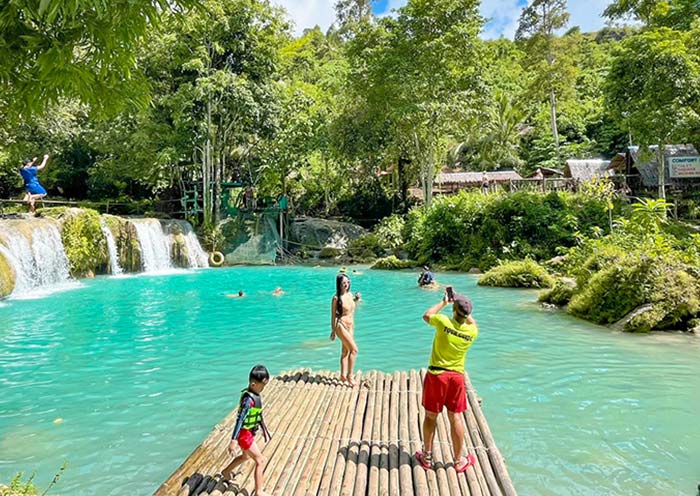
(451, 343)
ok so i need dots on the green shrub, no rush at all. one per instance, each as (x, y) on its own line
(83, 240)
(475, 230)
(365, 248)
(18, 487)
(393, 263)
(522, 274)
(389, 233)
(560, 294)
(329, 252)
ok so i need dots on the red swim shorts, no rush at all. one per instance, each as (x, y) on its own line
(444, 390)
(245, 439)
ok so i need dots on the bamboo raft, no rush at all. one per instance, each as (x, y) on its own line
(329, 439)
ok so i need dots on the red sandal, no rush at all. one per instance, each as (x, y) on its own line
(425, 459)
(470, 461)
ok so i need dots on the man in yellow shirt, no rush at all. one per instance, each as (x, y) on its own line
(444, 382)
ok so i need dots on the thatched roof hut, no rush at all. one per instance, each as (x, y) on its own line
(646, 165)
(475, 178)
(546, 172)
(587, 169)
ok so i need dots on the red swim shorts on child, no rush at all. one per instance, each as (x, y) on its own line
(245, 439)
(444, 390)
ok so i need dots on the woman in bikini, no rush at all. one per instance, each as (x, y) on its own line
(343, 326)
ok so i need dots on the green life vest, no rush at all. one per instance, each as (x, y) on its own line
(254, 417)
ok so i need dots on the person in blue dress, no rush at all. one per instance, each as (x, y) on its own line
(35, 191)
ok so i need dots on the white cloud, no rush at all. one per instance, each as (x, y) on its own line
(309, 13)
(504, 14)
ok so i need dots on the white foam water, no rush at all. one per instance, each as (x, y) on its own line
(154, 244)
(38, 260)
(114, 267)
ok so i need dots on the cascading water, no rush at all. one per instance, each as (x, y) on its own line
(114, 266)
(154, 244)
(196, 255)
(37, 258)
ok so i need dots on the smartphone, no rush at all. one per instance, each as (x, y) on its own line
(450, 293)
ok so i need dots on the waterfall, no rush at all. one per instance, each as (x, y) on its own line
(154, 244)
(38, 260)
(114, 266)
(196, 255)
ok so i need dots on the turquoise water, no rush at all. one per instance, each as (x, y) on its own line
(139, 370)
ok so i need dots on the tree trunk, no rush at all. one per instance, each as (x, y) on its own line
(662, 171)
(206, 191)
(553, 116)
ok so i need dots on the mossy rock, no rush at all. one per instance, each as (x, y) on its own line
(7, 277)
(83, 241)
(666, 290)
(126, 238)
(392, 263)
(330, 252)
(521, 274)
(560, 294)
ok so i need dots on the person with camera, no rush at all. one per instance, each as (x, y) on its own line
(444, 383)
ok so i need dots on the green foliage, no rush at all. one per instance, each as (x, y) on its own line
(560, 294)
(389, 232)
(649, 213)
(365, 248)
(212, 237)
(393, 263)
(83, 240)
(520, 274)
(474, 230)
(329, 252)
(80, 49)
(18, 487)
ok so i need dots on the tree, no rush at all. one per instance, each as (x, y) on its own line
(538, 23)
(83, 49)
(654, 86)
(677, 14)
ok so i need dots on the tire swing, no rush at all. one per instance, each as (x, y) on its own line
(216, 259)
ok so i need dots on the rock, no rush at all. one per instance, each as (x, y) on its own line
(475, 270)
(330, 252)
(315, 233)
(7, 277)
(624, 324)
(556, 260)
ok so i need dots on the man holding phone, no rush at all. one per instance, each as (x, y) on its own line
(444, 383)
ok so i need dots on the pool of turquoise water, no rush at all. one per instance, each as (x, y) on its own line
(139, 369)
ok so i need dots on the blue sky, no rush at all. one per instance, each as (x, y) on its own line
(503, 14)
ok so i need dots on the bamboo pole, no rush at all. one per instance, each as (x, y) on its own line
(497, 462)
(318, 452)
(346, 485)
(420, 478)
(373, 442)
(355, 444)
(489, 484)
(446, 448)
(389, 386)
(392, 437)
(307, 433)
(403, 453)
(323, 472)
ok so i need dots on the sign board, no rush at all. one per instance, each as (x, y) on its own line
(684, 167)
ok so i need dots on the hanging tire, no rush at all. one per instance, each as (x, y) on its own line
(216, 259)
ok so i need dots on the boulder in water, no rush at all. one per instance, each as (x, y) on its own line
(316, 233)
